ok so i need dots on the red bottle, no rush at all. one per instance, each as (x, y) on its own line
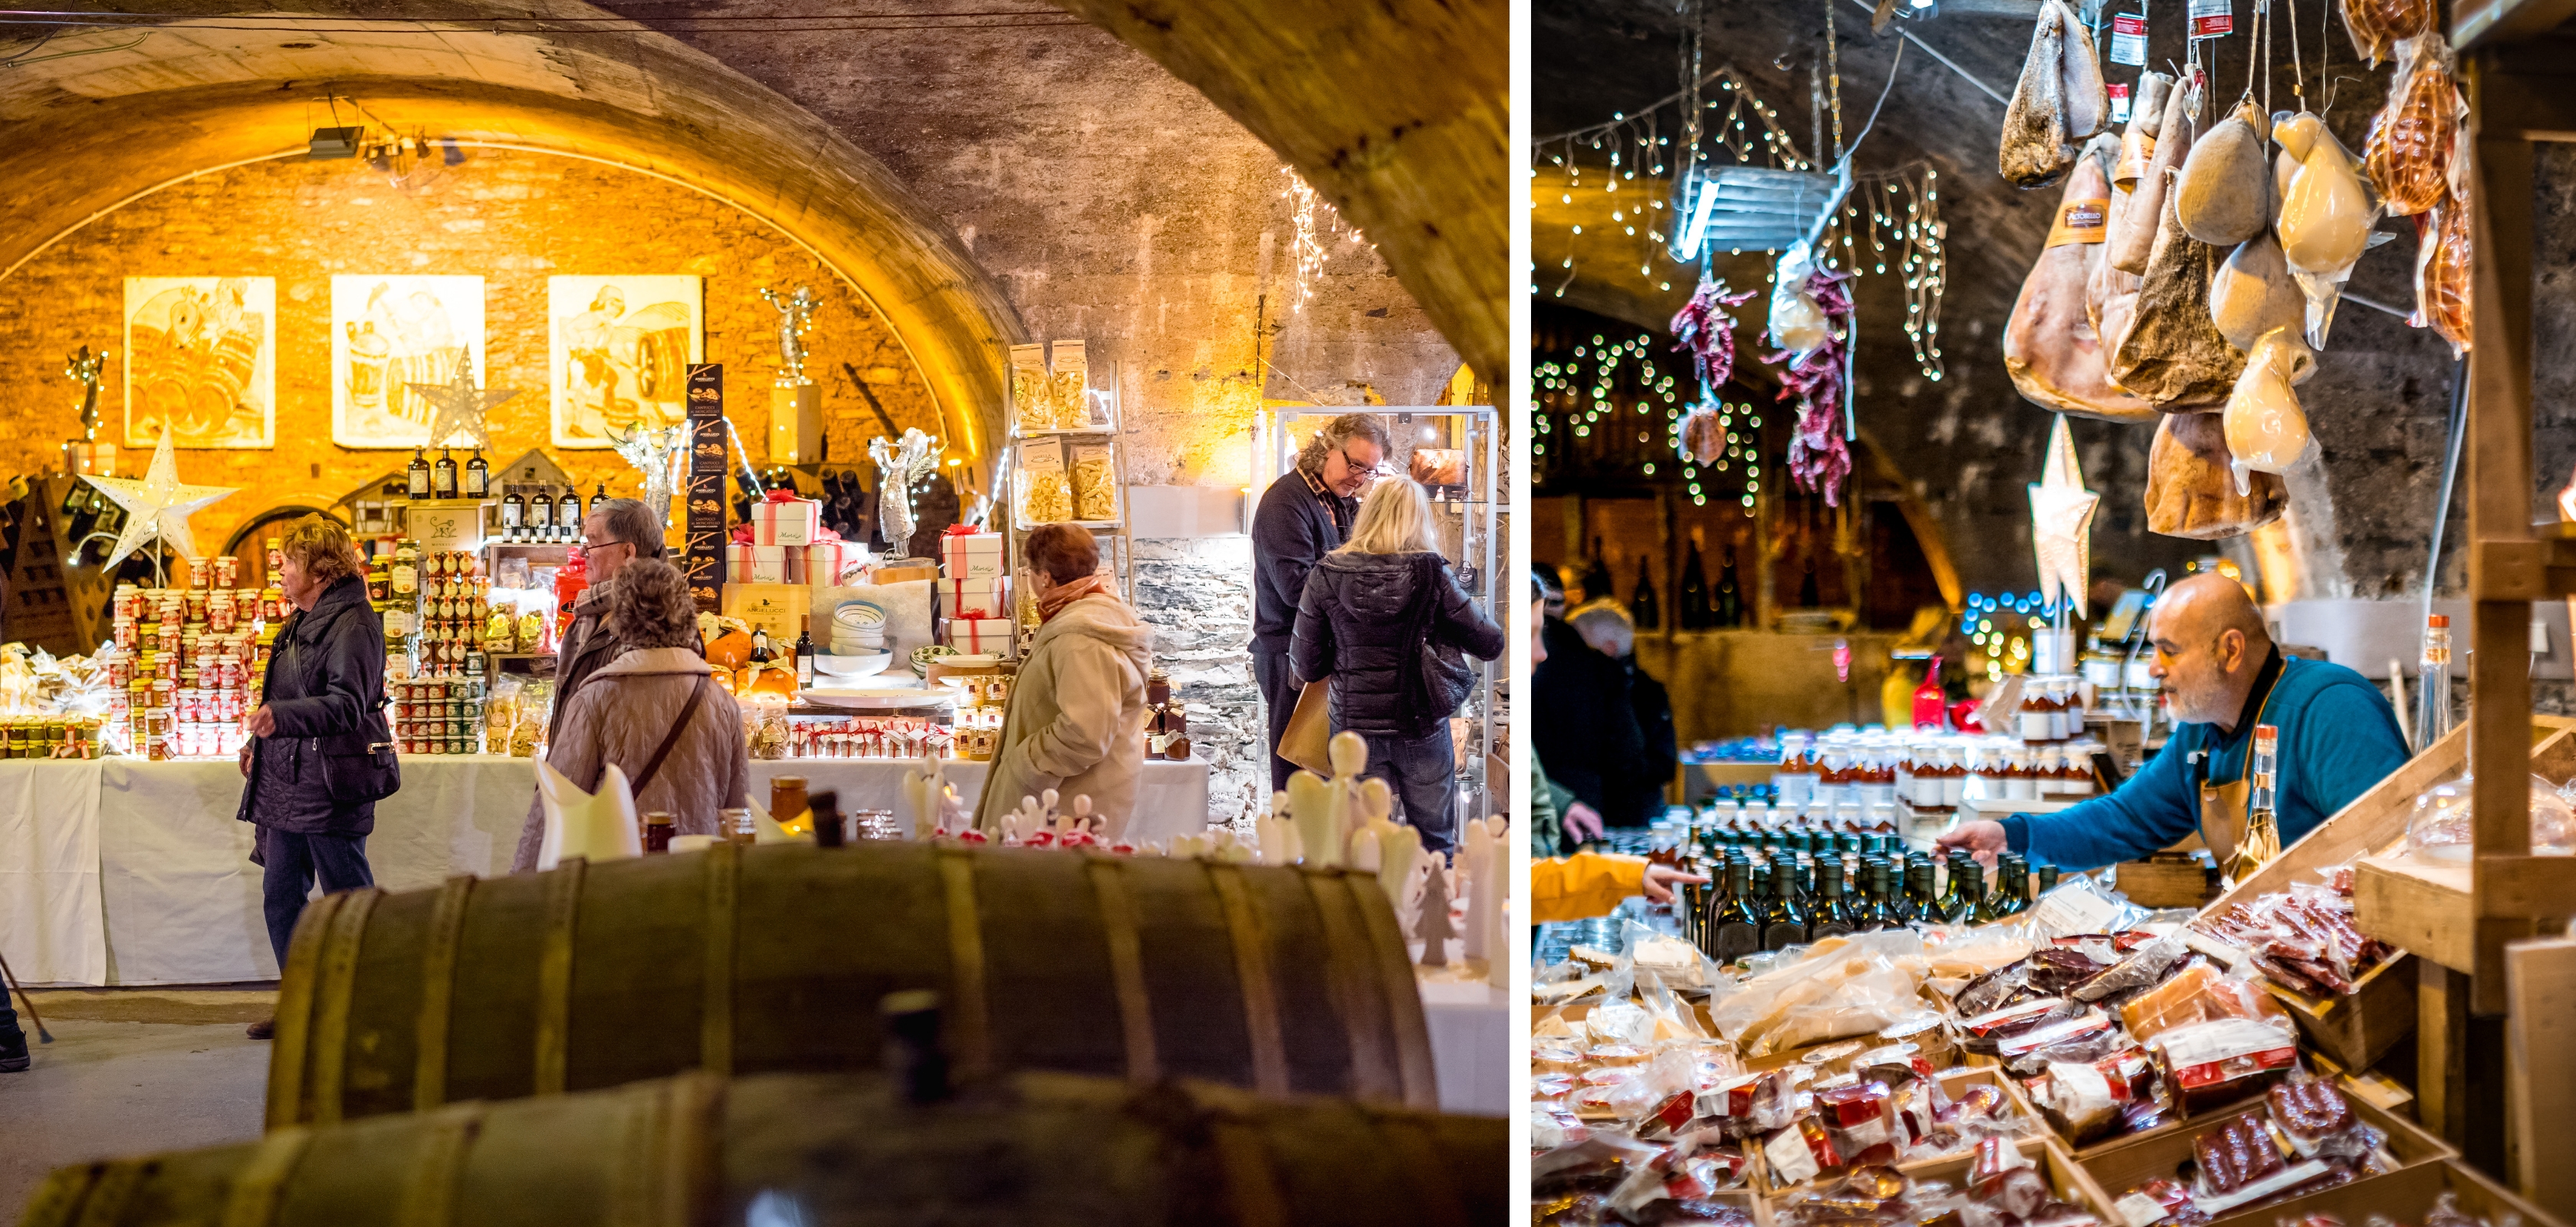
(1931, 708)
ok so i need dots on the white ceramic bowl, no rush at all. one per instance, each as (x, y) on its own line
(859, 665)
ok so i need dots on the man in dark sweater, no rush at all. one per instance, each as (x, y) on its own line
(1303, 516)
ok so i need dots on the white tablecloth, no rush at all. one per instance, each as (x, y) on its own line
(127, 872)
(1471, 1046)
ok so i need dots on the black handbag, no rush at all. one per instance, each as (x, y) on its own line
(1439, 680)
(360, 767)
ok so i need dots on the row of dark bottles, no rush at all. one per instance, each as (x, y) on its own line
(1775, 898)
(1701, 607)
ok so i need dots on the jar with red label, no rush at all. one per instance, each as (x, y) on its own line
(227, 570)
(200, 572)
(196, 607)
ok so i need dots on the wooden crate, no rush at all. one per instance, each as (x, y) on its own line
(2355, 1031)
(2404, 1196)
(2167, 879)
(2134, 1161)
(2425, 908)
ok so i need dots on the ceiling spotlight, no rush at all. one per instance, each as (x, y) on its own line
(334, 143)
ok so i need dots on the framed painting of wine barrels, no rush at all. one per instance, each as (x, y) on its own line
(389, 332)
(201, 361)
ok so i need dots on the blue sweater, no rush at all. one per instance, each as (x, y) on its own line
(2338, 738)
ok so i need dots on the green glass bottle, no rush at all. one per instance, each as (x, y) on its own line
(2012, 885)
(1732, 926)
(1948, 867)
(1875, 909)
(1907, 904)
(2047, 878)
(1969, 907)
(1784, 921)
(1832, 915)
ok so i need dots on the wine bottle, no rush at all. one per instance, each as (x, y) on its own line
(2013, 893)
(598, 498)
(514, 513)
(1970, 905)
(1597, 584)
(568, 510)
(1947, 901)
(1644, 605)
(1692, 609)
(760, 651)
(1730, 599)
(1784, 920)
(442, 476)
(804, 658)
(1907, 905)
(541, 514)
(1832, 916)
(2047, 879)
(1733, 929)
(416, 475)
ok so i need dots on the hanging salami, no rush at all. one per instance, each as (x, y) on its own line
(2412, 139)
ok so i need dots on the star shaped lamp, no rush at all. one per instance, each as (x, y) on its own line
(459, 406)
(157, 505)
(2061, 519)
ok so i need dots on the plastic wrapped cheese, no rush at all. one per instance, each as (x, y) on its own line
(2254, 293)
(2223, 193)
(1797, 323)
(2266, 430)
(2326, 215)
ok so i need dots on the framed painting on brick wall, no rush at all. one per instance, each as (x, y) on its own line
(389, 332)
(201, 360)
(619, 353)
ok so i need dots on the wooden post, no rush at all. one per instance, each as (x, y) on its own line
(2540, 1069)
(2499, 489)
(2441, 1058)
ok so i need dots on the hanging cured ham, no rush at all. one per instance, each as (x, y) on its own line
(2191, 489)
(2051, 350)
(2173, 354)
(2377, 26)
(2147, 204)
(2106, 284)
(2412, 139)
(2059, 102)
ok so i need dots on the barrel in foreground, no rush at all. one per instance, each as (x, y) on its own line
(772, 959)
(1033, 1148)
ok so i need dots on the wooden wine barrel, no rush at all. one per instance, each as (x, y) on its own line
(772, 959)
(1032, 1148)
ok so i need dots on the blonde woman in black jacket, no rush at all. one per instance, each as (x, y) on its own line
(1382, 621)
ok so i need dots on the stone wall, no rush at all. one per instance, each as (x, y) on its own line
(1197, 594)
(512, 218)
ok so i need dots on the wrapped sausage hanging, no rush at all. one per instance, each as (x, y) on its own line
(2413, 138)
(2377, 26)
(2442, 272)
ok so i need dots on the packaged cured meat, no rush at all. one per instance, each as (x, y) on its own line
(2377, 26)
(2003, 1177)
(1860, 1119)
(2223, 197)
(2213, 1063)
(2254, 293)
(2191, 488)
(2319, 1122)
(2413, 139)
(2442, 272)
(2147, 202)
(2266, 430)
(2173, 354)
(2199, 993)
(2234, 1155)
(1984, 1032)
(2142, 968)
(2138, 141)
(2051, 350)
(2303, 938)
(2059, 101)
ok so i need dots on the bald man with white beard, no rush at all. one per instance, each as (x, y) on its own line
(2221, 676)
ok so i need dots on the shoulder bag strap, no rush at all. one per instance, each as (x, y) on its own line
(653, 765)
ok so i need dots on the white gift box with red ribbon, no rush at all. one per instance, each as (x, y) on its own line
(974, 598)
(825, 561)
(785, 522)
(977, 635)
(971, 556)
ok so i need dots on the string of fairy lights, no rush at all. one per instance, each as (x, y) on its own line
(1890, 220)
(1572, 398)
(1311, 220)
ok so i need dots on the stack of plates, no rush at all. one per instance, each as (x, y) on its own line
(858, 628)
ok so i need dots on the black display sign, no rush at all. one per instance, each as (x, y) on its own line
(705, 494)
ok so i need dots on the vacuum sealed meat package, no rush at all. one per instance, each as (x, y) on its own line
(2210, 1064)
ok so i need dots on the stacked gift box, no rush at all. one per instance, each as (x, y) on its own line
(788, 545)
(974, 593)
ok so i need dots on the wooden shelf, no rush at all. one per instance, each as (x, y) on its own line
(2418, 906)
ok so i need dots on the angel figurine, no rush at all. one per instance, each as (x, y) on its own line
(795, 311)
(899, 464)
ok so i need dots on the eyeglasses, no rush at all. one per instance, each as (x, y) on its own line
(1356, 469)
(588, 546)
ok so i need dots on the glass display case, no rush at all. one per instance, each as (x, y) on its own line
(1455, 451)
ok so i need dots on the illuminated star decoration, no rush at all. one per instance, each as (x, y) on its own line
(460, 406)
(156, 506)
(2061, 519)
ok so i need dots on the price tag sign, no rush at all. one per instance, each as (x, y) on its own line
(2119, 104)
(2212, 18)
(440, 529)
(2129, 39)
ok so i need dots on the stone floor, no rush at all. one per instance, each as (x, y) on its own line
(129, 1071)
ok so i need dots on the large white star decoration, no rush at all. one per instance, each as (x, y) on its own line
(157, 506)
(2061, 519)
(460, 406)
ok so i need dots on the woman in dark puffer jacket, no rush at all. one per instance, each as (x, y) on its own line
(1368, 612)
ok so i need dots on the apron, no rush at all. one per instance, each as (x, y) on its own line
(2223, 806)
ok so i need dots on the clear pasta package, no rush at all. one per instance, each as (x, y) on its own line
(1045, 493)
(1032, 391)
(1094, 482)
(1071, 380)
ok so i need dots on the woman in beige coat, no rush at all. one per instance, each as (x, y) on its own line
(1076, 722)
(627, 709)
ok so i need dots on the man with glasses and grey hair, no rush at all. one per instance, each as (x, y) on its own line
(1303, 516)
(621, 531)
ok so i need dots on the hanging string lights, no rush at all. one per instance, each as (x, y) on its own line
(1617, 402)
(1311, 220)
(1889, 224)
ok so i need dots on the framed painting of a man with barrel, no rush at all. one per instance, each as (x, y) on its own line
(620, 353)
(201, 361)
